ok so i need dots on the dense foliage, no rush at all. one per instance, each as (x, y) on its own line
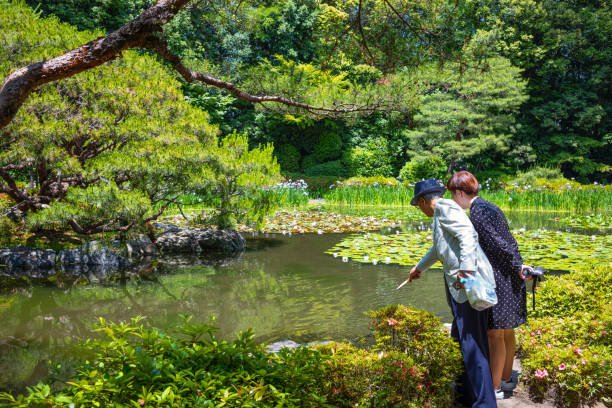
(131, 365)
(534, 78)
(110, 148)
(565, 347)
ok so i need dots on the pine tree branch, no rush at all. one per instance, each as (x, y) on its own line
(22, 82)
(160, 47)
(138, 33)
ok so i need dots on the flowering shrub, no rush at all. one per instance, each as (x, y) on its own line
(565, 346)
(360, 182)
(419, 335)
(361, 378)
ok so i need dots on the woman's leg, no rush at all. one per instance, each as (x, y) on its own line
(510, 344)
(497, 348)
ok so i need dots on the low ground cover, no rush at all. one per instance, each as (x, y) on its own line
(412, 366)
(565, 347)
(552, 250)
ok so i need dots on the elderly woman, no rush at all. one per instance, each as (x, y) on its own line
(502, 251)
(455, 244)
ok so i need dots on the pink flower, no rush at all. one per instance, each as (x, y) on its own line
(392, 322)
(561, 366)
(578, 351)
(420, 386)
(541, 373)
(583, 362)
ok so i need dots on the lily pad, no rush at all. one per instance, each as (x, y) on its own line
(301, 222)
(552, 250)
(594, 221)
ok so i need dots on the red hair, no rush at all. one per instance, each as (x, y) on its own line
(464, 181)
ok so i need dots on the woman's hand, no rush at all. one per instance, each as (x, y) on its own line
(415, 273)
(523, 268)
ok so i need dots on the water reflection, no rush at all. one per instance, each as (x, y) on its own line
(287, 289)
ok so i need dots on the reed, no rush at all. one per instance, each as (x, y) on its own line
(566, 201)
(400, 196)
(370, 196)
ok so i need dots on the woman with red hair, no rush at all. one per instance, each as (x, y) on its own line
(502, 251)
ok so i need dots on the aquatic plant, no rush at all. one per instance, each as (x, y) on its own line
(552, 250)
(592, 221)
(298, 222)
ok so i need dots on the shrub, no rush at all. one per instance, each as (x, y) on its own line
(565, 346)
(420, 334)
(288, 157)
(308, 161)
(530, 176)
(332, 168)
(134, 366)
(329, 146)
(423, 167)
(413, 364)
(356, 378)
(372, 160)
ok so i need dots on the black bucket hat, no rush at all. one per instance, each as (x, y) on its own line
(425, 187)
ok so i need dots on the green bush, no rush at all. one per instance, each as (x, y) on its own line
(413, 364)
(288, 157)
(361, 378)
(424, 167)
(420, 334)
(134, 366)
(372, 160)
(332, 168)
(565, 347)
(308, 161)
(530, 177)
(329, 146)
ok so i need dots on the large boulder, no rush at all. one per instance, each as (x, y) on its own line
(196, 240)
(35, 261)
(181, 240)
(139, 246)
(93, 253)
(221, 241)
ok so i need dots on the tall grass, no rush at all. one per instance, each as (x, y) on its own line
(570, 201)
(567, 201)
(369, 195)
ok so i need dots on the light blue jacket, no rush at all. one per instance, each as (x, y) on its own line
(455, 244)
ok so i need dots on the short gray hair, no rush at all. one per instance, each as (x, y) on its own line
(430, 196)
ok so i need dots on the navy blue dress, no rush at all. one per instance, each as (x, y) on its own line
(500, 247)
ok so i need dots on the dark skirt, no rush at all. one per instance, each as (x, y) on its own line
(511, 308)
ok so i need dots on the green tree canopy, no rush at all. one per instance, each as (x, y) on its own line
(101, 150)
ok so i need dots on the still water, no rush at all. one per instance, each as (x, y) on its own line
(284, 287)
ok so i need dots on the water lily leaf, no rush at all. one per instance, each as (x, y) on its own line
(552, 250)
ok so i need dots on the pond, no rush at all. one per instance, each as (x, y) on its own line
(284, 287)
